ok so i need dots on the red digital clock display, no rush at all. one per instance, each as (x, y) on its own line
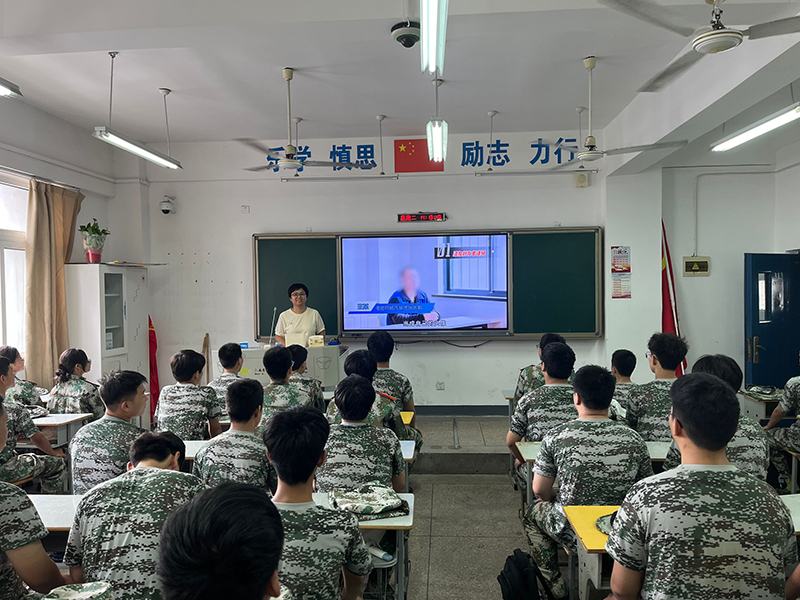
(421, 216)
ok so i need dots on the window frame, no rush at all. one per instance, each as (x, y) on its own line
(13, 240)
(487, 294)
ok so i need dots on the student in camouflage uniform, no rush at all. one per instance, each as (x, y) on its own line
(280, 393)
(532, 377)
(50, 469)
(22, 558)
(72, 394)
(357, 453)
(99, 451)
(548, 406)
(298, 376)
(321, 543)
(748, 449)
(596, 462)
(784, 439)
(623, 363)
(705, 529)
(231, 358)
(22, 392)
(188, 409)
(238, 454)
(224, 543)
(114, 536)
(649, 404)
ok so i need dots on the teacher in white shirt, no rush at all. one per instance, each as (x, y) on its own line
(300, 319)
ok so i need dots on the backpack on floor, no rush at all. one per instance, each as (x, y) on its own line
(520, 579)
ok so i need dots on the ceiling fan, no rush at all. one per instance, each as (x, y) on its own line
(712, 39)
(592, 153)
(288, 160)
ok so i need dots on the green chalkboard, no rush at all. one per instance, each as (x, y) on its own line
(281, 261)
(557, 282)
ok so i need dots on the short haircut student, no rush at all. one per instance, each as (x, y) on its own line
(243, 398)
(558, 359)
(669, 349)
(723, 367)
(354, 397)
(295, 440)
(277, 362)
(549, 338)
(185, 364)
(595, 386)
(156, 446)
(118, 386)
(224, 543)
(229, 354)
(361, 362)
(381, 345)
(297, 287)
(5, 367)
(624, 361)
(707, 409)
(299, 356)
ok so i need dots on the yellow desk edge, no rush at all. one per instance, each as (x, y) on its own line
(406, 415)
(582, 519)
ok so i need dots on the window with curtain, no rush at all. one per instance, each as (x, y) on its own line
(13, 214)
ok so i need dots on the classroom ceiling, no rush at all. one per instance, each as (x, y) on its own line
(223, 62)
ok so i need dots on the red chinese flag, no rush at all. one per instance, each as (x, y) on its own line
(411, 156)
(155, 390)
(669, 301)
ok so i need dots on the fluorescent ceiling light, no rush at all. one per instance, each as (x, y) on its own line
(759, 128)
(354, 178)
(433, 14)
(9, 89)
(437, 139)
(130, 145)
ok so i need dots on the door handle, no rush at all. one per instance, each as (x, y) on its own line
(748, 348)
(756, 348)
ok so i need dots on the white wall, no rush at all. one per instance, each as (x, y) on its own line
(736, 216)
(787, 199)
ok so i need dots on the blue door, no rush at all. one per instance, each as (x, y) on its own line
(772, 318)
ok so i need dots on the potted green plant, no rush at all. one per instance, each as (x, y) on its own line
(94, 238)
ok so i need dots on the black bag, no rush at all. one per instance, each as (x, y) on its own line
(520, 579)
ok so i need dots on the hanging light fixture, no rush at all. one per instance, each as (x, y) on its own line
(9, 89)
(433, 17)
(437, 131)
(123, 142)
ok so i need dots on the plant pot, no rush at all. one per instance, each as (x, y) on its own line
(93, 245)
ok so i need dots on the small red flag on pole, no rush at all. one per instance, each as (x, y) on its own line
(669, 301)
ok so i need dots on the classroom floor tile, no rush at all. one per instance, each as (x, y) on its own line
(475, 510)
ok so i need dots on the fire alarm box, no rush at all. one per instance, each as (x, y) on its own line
(696, 266)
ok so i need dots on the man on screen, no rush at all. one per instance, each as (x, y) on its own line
(409, 293)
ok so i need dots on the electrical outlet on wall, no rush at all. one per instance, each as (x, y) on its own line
(440, 386)
(245, 209)
(309, 229)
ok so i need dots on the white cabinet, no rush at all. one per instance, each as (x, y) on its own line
(107, 315)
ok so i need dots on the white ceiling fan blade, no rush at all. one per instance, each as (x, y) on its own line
(646, 147)
(672, 71)
(652, 13)
(773, 28)
(260, 168)
(258, 146)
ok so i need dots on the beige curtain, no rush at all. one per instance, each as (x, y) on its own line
(52, 218)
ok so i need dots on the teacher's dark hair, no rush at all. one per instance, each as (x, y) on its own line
(297, 286)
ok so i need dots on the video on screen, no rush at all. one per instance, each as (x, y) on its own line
(425, 283)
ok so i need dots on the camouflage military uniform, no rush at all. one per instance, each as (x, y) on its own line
(98, 590)
(748, 450)
(99, 452)
(76, 396)
(278, 396)
(220, 386)
(24, 392)
(703, 531)
(51, 470)
(238, 456)
(786, 439)
(596, 462)
(649, 407)
(359, 454)
(318, 543)
(185, 409)
(532, 378)
(312, 385)
(20, 525)
(396, 385)
(114, 536)
(542, 409)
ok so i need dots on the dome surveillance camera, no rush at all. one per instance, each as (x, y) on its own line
(407, 33)
(167, 205)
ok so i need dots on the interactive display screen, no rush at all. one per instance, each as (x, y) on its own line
(425, 283)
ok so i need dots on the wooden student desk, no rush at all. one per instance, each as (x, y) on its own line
(66, 426)
(58, 512)
(508, 396)
(591, 545)
(406, 415)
